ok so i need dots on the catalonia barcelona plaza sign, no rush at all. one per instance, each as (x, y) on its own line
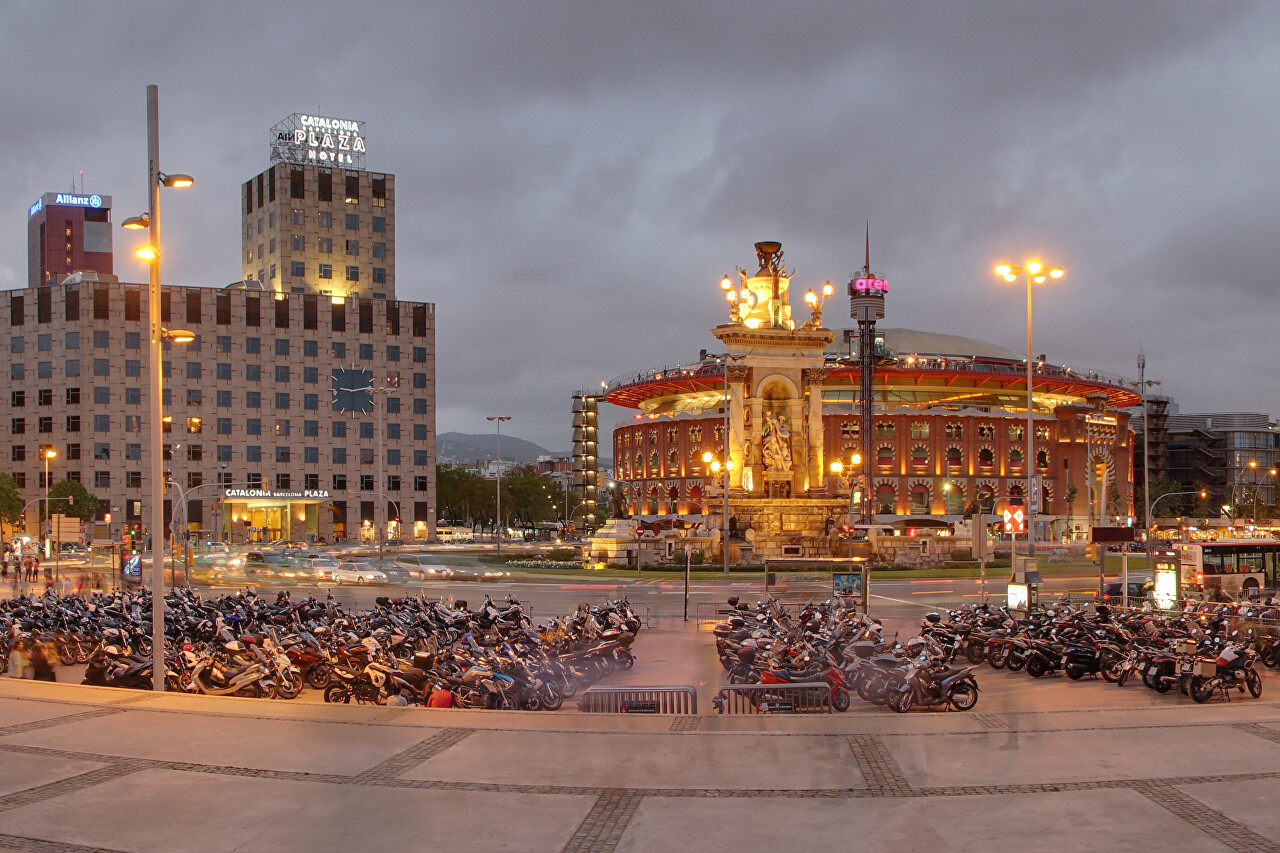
(318, 140)
(276, 495)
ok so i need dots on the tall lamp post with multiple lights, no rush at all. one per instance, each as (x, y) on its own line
(151, 253)
(499, 419)
(1036, 273)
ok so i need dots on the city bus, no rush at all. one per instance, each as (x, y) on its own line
(454, 533)
(1234, 566)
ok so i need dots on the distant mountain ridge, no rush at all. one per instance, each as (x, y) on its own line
(463, 448)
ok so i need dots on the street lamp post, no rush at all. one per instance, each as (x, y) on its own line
(48, 454)
(499, 419)
(151, 253)
(1035, 273)
(716, 467)
(1146, 451)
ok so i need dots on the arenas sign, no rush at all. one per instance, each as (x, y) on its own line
(318, 140)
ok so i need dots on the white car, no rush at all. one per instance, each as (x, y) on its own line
(321, 565)
(356, 573)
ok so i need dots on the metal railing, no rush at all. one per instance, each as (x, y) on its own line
(639, 700)
(810, 697)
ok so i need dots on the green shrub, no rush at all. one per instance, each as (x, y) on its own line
(961, 555)
(561, 555)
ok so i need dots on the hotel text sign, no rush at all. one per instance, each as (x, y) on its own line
(272, 494)
(318, 140)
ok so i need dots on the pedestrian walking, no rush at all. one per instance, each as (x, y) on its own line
(41, 669)
(20, 660)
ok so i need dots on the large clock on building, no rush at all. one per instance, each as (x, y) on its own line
(352, 390)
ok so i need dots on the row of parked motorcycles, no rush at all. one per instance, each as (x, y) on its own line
(833, 644)
(245, 645)
(1203, 651)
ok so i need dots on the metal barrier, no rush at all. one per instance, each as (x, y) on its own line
(709, 612)
(806, 697)
(639, 700)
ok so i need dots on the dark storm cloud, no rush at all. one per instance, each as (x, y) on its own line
(574, 178)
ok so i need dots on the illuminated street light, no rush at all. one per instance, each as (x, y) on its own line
(151, 254)
(1035, 273)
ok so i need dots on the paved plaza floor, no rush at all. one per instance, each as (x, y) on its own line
(1052, 765)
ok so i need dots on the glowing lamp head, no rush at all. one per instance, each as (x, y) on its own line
(810, 298)
(731, 297)
(726, 283)
(1034, 267)
(706, 457)
(715, 466)
(856, 459)
(177, 181)
(146, 253)
(837, 467)
(1010, 277)
(179, 336)
(828, 289)
(1038, 279)
(1056, 272)
(1004, 270)
(51, 454)
(137, 223)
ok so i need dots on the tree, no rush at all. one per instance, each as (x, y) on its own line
(1202, 498)
(1159, 488)
(84, 506)
(10, 501)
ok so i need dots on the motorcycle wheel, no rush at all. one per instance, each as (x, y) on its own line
(1253, 681)
(998, 658)
(902, 701)
(864, 689)
(840, 699)
(1271, 659)
(1163, 686)
(1184, 684)
(289, 687)
(337, 693)
(975, 653)
(964, 697)
(568, 687)
(550, 697)
(1075, 673)
(1111, 672)
(1148, 679)
(624, 659)
(1036, 668)
(319, 677)
(1016, 664)
(1201, 689)
(1124, 678)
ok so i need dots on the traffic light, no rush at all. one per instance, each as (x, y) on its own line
(106, 518)
(1091, 551)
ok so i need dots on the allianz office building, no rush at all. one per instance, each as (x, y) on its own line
(269, 429)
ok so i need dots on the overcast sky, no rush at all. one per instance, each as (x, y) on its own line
(574, 178)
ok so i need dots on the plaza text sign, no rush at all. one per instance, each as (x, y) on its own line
(275, 495)
(318, 139)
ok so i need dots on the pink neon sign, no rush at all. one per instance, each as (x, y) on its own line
(868, 286)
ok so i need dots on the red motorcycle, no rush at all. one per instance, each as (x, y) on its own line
(828, 672)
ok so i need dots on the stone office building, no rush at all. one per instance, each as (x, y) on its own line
(302, 409)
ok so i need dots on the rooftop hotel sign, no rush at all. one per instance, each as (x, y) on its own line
(318, 140)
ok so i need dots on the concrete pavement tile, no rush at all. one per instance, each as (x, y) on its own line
(295, 745)
(646, 760)
(211, 814)
(14, 712)
(19, 772)
(1017, 757)
(1251, 803)
(1113, 820)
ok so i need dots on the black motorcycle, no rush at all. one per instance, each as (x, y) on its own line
(924, 685)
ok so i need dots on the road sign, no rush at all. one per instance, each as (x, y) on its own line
(1112, 534)
(1015, 520)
